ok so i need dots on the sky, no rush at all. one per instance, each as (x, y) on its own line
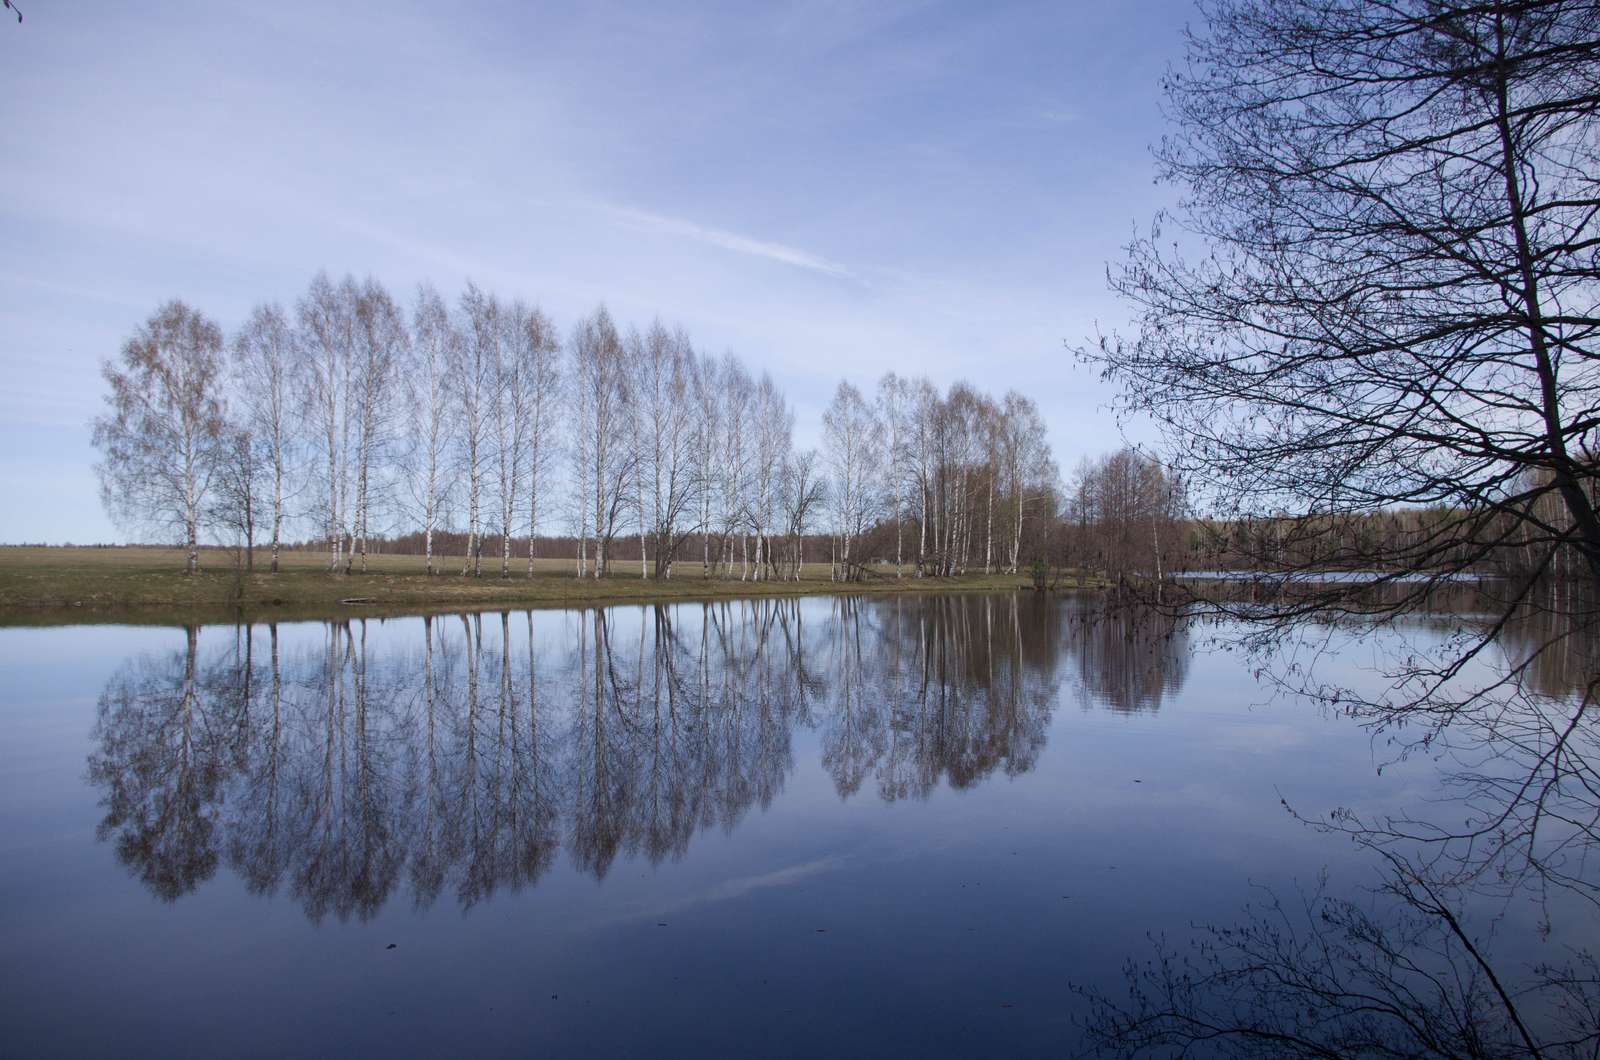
(832, 190)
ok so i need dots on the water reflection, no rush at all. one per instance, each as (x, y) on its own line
(1477, 938)
(461, 755)
(1129, 658)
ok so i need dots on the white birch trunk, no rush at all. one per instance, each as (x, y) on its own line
(988, 548)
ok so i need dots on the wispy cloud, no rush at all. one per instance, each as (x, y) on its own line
(717, 237)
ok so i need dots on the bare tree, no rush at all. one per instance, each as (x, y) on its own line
(853, 438)
(476, 357)
(773, 427)
(381, 342)
(265, 380)
(507, 407)
(1399, 206)
(537, 352)
(1127, 508)
(601, 449)
(924, 406)
(1382, 301)
(990, 435)
(1026, 467)
(236, 491)
(430, 401)
(326, 347)
(733, 457)
(666, 412)
(802, 490)
(161, 435)
(894, 411)
(709, 419)
(640, 440)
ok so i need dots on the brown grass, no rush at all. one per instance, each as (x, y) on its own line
(64, 585)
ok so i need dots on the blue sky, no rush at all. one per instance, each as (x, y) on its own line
(829, 189)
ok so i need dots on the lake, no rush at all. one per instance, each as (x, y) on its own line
(899, 825)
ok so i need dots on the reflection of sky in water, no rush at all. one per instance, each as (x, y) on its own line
(897, 825)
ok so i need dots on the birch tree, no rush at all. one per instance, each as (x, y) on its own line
(537, 352)
(802, 491)
(894, 401)
(639, 440)
(507, 410)
(853, 439)
(326, 348)
(667, 432)
(990, 433)
(923, 408)
(430, 402)
(600, 383)
(476, 356)
(773, 429)
(265, 383)
(1026, 466)
(235, 495)
(160, 437)
(381, 341)
(733, 459)
(707, 385)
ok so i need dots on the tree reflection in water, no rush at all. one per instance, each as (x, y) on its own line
(464, 761)
(345, 767)
(1129, 658)
(1420, 966)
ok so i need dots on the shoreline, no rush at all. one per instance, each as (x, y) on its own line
(86, 586)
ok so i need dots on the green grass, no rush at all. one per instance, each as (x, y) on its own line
(47, 586)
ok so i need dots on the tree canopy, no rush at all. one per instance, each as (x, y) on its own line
(1383, 286)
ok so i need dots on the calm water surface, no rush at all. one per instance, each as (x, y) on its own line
(892, 826)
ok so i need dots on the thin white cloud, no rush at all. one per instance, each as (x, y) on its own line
(760, 248)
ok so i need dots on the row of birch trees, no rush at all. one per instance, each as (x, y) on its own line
(957, 476)
(351, 416)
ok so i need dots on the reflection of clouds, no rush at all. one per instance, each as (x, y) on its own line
(1266, 738)
(465, 757)
(736, 888)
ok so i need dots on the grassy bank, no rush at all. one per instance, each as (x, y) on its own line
(65, 585)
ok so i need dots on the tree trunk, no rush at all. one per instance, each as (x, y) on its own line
(505, 543)
(277, 508)
(191, 542)
(644, 556)
(1016, 538)
(1578, 504)
(988, 548)
(533, 521)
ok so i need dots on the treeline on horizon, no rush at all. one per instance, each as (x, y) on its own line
(1123, 514)
(465, 430)
(474, 428)
(1127, 513)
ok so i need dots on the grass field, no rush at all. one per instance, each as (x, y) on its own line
(64, 585)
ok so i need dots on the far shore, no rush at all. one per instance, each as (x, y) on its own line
(68, 585)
